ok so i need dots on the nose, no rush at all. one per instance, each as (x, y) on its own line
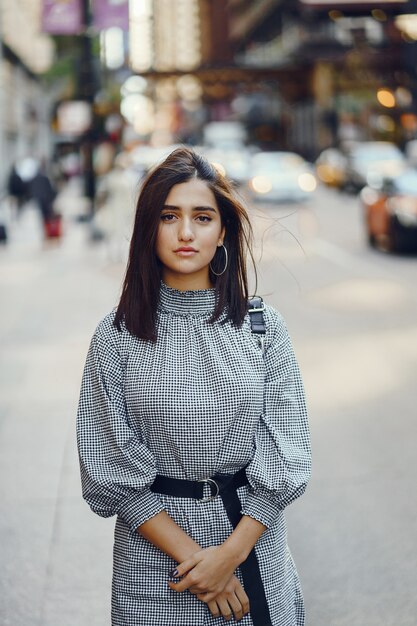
(186, 231)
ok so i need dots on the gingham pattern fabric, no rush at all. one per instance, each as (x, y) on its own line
(202, 400)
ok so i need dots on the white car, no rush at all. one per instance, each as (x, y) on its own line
(281, 177)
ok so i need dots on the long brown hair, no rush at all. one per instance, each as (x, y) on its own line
(140, 293)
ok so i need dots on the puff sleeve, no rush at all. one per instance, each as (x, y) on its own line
(280, 468)
(117, 469)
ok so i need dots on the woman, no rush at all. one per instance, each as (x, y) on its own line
(190, 432)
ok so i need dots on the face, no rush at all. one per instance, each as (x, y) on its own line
(189, 232)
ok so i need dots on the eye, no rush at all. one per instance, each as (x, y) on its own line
(204, 218)
(168, 217)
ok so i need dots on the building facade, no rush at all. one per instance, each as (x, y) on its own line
(24, 106)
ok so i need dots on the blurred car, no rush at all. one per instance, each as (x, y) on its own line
(370, 160)
(331, 168)
(235, 164)
(281, 177)
(391, 212)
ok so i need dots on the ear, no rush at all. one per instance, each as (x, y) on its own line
(222, 236)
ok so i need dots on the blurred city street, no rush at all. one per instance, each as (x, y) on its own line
(309, 108)
(352, 314)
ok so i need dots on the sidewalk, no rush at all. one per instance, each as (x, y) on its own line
(55, 554)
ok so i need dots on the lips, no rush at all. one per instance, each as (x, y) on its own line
(186, 252)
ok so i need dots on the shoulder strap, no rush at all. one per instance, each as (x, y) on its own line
(256, 310)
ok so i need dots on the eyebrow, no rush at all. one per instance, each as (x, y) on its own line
(170, 207)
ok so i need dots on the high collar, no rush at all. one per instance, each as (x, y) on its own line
(192, 302)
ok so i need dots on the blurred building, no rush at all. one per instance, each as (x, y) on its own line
(24, 107)
(299, 74)
(341, 56)
(165, 35)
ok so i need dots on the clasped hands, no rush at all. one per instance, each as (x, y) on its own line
(209, 574)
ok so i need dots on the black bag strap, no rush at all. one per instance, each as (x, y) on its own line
(256, 310)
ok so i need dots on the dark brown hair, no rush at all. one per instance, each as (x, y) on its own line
(140, 293)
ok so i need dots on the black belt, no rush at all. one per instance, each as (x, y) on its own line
(225, 486)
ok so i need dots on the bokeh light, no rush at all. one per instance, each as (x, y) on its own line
(386, 98)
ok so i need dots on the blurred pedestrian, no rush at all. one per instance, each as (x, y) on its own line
(44, 194)
(3, 224)
(16, 187)
(191, 429)
(42, 191)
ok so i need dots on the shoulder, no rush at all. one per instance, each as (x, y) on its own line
(109, 349)
(277, 336)
(108, 337)
(276, 326)
(276, 331)
(106, 329)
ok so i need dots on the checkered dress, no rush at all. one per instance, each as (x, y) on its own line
(201, 400)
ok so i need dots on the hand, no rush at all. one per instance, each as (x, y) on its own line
(233, 600)
(205, 572)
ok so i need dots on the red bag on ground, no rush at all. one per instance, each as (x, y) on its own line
(53, 227)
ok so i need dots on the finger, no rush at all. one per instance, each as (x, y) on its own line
(243, 598)
(224, 607)
(179, 587)
(236, 606)
(214, 609)
(185, 567)
(188, 582)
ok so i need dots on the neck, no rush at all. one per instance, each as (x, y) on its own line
(184, 282)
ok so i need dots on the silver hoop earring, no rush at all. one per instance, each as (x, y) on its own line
(225, 264)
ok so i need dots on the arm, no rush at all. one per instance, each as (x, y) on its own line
(165, 534)
(281, 465)
(117, 468)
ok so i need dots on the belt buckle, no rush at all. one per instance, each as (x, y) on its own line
(209, 481)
